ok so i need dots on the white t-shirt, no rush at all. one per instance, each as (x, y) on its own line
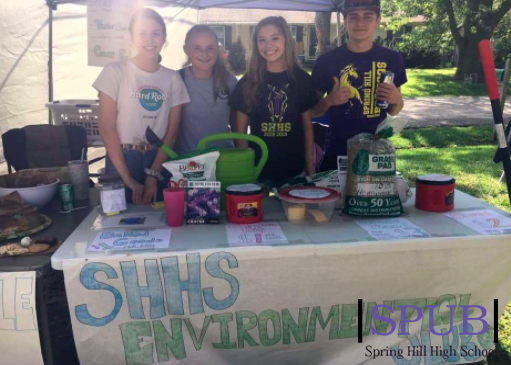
(143, 98)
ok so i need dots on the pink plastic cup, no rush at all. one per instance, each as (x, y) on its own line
(174, 199)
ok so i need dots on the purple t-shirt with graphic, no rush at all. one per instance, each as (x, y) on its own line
(360, 73)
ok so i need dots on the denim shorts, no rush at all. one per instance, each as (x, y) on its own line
(136, 162)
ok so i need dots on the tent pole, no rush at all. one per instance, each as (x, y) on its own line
(338, 29)
(50, 62)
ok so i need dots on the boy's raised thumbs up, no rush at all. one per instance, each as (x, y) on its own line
(336, 83)
(339, 95)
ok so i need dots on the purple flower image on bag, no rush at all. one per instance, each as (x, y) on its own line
(203, 202)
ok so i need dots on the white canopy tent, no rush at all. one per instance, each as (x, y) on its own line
(298, 5)
(290, 5)
(44, 42)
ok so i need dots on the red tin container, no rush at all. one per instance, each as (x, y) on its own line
(244, 203)
(435, 193)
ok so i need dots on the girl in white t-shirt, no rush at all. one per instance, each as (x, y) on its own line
(210, 86)
(134, 94)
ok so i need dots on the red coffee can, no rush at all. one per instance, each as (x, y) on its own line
(435, 192)
(244, 203)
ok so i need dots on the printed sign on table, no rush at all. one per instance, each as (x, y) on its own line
(107, 30)
(391, 228)
(19, 334)
(288, 305)
(255, 234)
(120, 240)
(484, 221)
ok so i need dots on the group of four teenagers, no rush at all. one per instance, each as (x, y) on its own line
(276, 98)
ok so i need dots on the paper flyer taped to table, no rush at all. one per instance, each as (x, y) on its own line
(131, 220)
(19, 333)
(119, 240)
(391, 228)
(484, 221)
(255, 234)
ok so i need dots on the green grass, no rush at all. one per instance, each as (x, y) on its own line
(472, 167)
(440, 83)
(465, 153)
(444, 137)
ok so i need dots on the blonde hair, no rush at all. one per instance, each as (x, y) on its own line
(220, 73)
(148, 13)
(257, 64)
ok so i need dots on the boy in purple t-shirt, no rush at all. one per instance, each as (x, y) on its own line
(350, 75)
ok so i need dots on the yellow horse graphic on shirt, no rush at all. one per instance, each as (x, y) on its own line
(344, 81)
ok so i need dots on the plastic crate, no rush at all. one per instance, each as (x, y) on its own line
(84, 113)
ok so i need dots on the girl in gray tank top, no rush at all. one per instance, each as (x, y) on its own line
(209, 85)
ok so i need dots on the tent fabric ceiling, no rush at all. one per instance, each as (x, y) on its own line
(298, 5)
(309, 5)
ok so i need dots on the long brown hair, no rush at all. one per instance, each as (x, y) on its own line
(148, 13)
(220, 73)
(257, 64)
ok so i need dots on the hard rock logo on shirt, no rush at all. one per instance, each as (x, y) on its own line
(277, 106)
(151, 98)
(349, 75)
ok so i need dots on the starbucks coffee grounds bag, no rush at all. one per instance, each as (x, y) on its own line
(371, 188)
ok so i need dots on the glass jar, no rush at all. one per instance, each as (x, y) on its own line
(112, 195)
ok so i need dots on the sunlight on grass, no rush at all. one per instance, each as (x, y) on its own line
(442, 137)
(440, 83)
(472, 167)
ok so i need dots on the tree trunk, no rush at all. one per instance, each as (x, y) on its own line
(469, 60)
(322, 22)
(467, 40)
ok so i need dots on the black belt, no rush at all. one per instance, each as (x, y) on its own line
(136, 147)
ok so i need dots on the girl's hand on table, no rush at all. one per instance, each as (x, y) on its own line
(150, 190)
(137, 189)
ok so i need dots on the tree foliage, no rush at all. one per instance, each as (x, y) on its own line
(502, 41)
(469, 21)
(236, 57)
(425, 48)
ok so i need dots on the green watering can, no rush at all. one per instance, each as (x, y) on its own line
(236, 165)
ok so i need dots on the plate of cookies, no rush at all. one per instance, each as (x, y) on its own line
(28, 247)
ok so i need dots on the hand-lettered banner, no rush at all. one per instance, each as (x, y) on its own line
(107, 30)
(291, 305)
(19, 334)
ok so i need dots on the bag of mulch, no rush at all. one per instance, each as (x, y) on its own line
(371, 188)
(194, 166)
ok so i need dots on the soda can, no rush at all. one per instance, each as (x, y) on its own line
(67, 197)
(385, 78)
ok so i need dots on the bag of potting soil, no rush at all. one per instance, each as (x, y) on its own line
(194, 166)
(371, 189)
